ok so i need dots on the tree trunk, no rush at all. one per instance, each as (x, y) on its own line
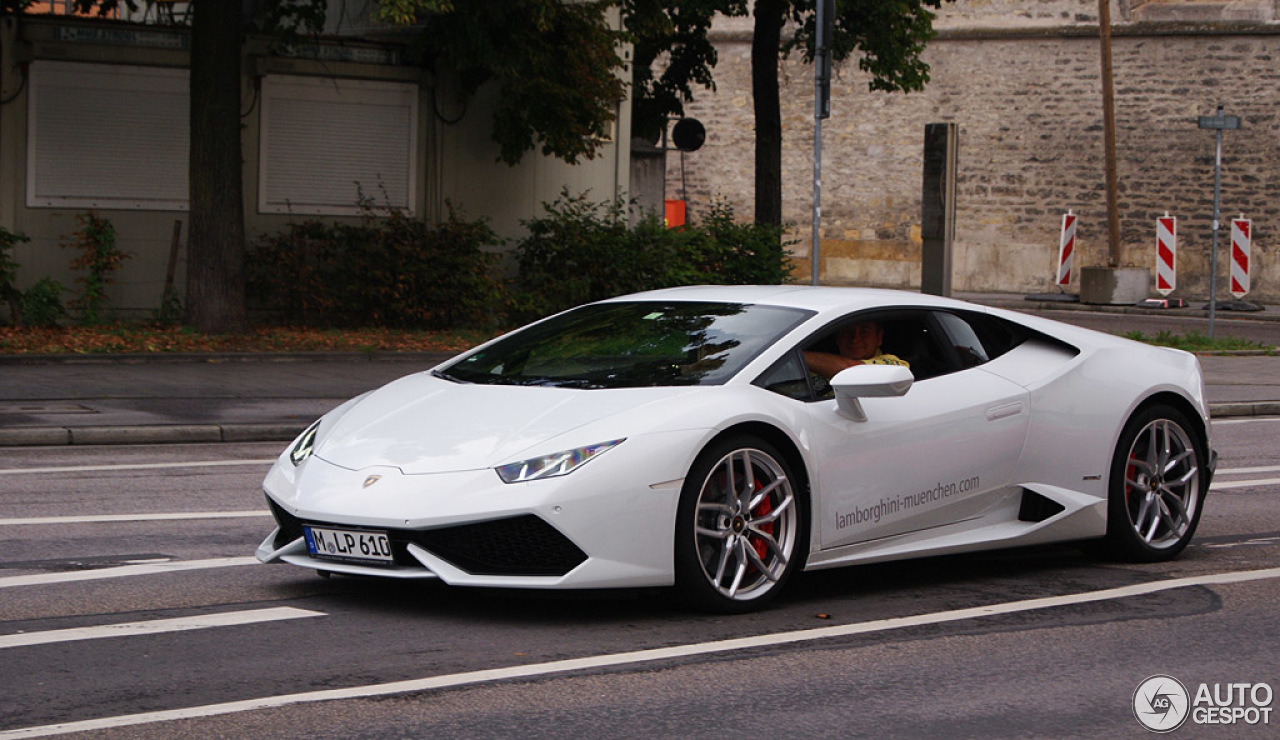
(215, 236)
(765, 44)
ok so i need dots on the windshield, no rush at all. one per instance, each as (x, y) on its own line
(631, 345)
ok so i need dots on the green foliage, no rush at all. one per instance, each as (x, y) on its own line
(398, 272)
(888, 36)
(170, 311)
(555, 65)
(676, 34)
(582, 251)
(96, 241)
(9, 273)
(1198, 342)
(42, 303)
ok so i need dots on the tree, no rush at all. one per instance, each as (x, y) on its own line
(672, 54)
(215, 231)
(890, 36)
(555, 64)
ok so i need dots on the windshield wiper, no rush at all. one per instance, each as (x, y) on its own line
(448, 377)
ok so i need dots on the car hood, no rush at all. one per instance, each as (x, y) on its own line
(424, 424)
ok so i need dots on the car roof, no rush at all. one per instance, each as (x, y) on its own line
(821, 299)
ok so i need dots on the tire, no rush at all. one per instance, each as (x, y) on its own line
(742, 528)
(1157, 486)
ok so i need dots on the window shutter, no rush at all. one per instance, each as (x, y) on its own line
(107, 136)
(325, 142)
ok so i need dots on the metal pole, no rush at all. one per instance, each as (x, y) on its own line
(817, 196)
(821, 109)
(1213, 254)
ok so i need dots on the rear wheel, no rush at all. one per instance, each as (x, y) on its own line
(742, 527)
(1157, 485)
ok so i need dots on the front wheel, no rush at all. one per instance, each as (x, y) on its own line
(1157, 486)
(742, 526)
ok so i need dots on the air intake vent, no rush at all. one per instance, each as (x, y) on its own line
(520, 546)
(1037, 508)
(290, 526)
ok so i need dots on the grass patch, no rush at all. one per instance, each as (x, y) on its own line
(122, 338)
(1197, 342)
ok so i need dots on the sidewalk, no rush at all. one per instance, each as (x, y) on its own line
(61, 400)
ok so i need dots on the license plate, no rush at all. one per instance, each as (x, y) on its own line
(348, 544)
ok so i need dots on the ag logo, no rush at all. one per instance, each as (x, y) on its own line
(371, 480)
(1161, 703)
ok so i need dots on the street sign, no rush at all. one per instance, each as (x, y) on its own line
(1224, 123)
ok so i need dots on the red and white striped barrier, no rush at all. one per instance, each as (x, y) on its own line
(1066, 248)
(1166, 254)
(1241, 243)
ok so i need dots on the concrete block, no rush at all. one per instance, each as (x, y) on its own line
(1114, 285)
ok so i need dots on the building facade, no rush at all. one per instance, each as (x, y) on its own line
(94, 115)
(1022, 81)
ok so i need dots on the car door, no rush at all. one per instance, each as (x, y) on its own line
(945, 452)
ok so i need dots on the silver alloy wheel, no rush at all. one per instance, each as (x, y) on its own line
(1162, 484)
(746, 524)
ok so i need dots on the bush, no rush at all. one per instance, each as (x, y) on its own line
(9, 292)
(96, 241)
(42, 303)
(582, 251)
(396, 271)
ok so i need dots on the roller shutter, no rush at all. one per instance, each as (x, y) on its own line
(107, 136)
(325, 141)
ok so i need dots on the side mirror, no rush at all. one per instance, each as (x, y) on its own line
(869, 381)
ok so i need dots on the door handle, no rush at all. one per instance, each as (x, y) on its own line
(1004, 411)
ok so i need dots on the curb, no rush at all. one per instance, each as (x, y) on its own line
(287, 432)
(215, 358)
(156, 434)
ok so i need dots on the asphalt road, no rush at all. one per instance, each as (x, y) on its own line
(127, 588)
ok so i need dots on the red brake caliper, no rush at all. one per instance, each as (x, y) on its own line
(763, 509)
(1129, 474)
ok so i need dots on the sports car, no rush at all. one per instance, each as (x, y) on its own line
(685, 437)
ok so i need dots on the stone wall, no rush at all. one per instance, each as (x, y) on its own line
(1026, 95)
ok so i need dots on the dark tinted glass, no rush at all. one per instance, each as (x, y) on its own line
(631, 345)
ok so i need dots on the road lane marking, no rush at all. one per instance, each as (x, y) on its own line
(1223, 485)
(158, 626)
(103, 518)
(1255, 542)
(1249, 471)
(555, 667)
(44, 579)
(135, 466)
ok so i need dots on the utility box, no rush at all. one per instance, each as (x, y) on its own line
(938, 207)
(673, 214)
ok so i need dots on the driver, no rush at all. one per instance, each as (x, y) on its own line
(858, 344)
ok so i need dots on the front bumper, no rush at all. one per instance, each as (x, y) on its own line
(609, 524)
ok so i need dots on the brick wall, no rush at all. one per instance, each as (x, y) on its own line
(1027, 99)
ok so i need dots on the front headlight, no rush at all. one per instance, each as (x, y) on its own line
(301, 449)
(550, 466)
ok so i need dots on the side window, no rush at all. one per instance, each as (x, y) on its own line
(979, 338)
(906, 338)
(968, 347)
(787, 377)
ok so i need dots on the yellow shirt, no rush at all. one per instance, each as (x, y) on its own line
(881, 358)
